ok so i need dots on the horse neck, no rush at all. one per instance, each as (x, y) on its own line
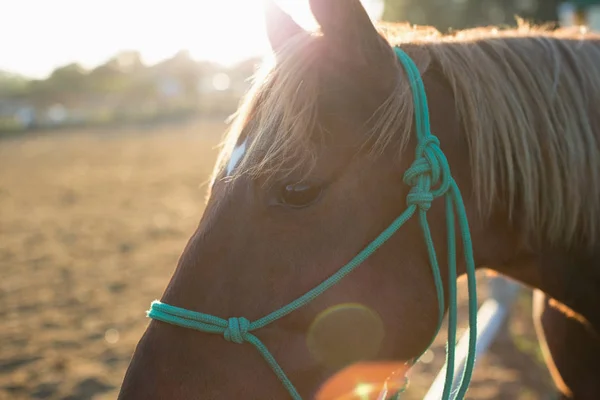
(568, 274)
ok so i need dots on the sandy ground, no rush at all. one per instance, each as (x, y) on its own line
(91, 226)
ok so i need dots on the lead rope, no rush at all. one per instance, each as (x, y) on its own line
(429, 177)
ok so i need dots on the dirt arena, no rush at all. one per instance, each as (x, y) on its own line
(91, 227)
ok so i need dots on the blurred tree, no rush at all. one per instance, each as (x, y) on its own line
(420, 12)
(108, 77)
(394, 10)
(69, 78)
(547, 11)
(129, 61)
(65, 84)
(187, 72)
(581, 10)
(585, 3)
(41, 93)
(12, 85)
(460, 14)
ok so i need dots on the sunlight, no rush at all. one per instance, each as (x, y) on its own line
(366, 380)
(225, 31)
(90, 32)
(363, 390)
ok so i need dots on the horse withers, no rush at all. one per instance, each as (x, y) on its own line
(312, 171)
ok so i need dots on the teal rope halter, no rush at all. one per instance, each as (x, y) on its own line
(430, 178)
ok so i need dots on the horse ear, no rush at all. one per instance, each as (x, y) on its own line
(280, 26)
(345, 23)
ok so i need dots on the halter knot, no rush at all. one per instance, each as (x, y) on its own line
(237, 329)
(429, 175)
(420, 198)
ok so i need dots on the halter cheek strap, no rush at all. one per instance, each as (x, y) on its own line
(430, 178)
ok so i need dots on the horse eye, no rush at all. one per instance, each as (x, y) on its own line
(299, 195)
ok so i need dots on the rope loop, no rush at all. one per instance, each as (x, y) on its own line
(426, 143)
(237, 329)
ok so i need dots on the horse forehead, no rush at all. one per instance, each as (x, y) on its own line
(236, 155)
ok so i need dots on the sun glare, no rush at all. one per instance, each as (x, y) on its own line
(90, 32)
(363, 390)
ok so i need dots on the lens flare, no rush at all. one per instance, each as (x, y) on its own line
(366, 381)
(344, 334)
(362, 390)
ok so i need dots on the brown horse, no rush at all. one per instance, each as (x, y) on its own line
(311, 172)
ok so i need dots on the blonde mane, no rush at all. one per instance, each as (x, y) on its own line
(525, 97)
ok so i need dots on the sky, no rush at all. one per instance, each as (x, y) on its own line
(39, 35)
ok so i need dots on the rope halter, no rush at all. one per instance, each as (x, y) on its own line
(430, 178)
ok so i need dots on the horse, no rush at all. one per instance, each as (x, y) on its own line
(314, 166)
